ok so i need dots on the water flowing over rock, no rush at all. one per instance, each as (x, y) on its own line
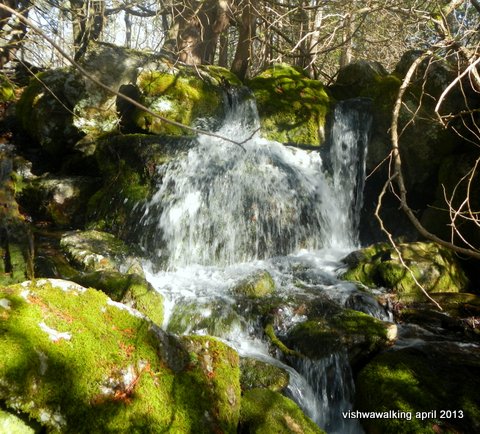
(230, 216)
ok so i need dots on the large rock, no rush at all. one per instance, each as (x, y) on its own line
(429, 388)
(357, 333)
(75, 361)
(434, 267)
(292, 108)
(60, 107)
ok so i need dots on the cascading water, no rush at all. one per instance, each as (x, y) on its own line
(224, 211)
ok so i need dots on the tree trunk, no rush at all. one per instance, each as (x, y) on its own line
(243, 53)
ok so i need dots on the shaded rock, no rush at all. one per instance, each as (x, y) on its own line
(16, 262)
(259, 374)
(129, 165)
(358, 333)
(264, 411)
(76, 361)
(422, 379)
(94, 251)
(433, 266)
(259, 284)
(62, 200)
(292, 107)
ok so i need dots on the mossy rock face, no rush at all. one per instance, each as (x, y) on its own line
(359, 334)
(16, 263)
(77, 362)
(258, 285)
(259, 374)
(422, 379)
(130, 289)
(46, 110)
(94, 251)
(265, 412)
(129, 165)
(179, 95)
(292, 107)
(60, 107)
(433, 266)
(61, 200)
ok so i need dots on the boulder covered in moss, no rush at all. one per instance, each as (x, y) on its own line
(357, 333)
(259, 374)
(264, 411)
(129, 166)
(435, 386)
(293, 108)
(434, 267)
(131, 289)
(77, 362)
(257, 285)
(60, 107)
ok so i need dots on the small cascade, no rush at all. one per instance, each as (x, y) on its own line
(349, 138)
(224, 211)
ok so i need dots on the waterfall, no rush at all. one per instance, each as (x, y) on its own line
(223, 204)
(222, 211)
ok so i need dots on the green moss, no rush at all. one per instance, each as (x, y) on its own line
(270, 333)
(356, 332)
(181, 97)
(292, 107)
(258, 285)
(131, 289)
(100, 369)
(7, 89)
(421, 380)
(433, 266)
(265, 412)
(258, 374)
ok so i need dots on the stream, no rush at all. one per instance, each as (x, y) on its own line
(222, 212)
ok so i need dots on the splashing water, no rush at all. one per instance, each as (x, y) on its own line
(223, 211)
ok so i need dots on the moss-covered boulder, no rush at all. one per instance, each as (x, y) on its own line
(94, 251)
(129, 164)
(292, 108)
(434, 267)
(264, 411)
(131, 289)
(181, 95)
(60, 107)
(257, 285)
(77, 362)
(258, 374)
(437, 385)
(361, 335)
(46, 110)
(12, 422)
(61, 200)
